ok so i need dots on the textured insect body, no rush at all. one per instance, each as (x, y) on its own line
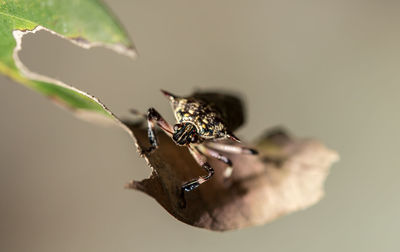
(208, 122)
(201, 123)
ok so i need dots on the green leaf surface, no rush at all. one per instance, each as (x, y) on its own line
(87, 23)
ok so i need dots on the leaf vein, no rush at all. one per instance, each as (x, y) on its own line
(16, 17)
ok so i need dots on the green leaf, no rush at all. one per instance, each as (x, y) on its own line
(86, 23)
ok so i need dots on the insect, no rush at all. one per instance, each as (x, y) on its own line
(200, 126)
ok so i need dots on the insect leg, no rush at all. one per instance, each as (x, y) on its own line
(231, 148)
(202, 161)
(212, 153)
(153, 117)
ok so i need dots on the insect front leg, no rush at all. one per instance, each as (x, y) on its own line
(153, 118)
(214, 154)
(231, 148)
(202, 161)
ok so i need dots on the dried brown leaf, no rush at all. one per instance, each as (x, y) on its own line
(287, 175)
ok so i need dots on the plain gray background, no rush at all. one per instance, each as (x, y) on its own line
(323, 69)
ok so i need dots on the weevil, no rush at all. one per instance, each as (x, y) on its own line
(200, 127)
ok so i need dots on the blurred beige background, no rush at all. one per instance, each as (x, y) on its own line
(324, 69)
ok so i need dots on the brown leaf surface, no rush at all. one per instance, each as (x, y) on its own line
(286, 176)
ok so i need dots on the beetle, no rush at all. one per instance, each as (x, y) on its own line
(201, 125)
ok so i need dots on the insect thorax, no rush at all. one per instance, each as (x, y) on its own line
(207, 121)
